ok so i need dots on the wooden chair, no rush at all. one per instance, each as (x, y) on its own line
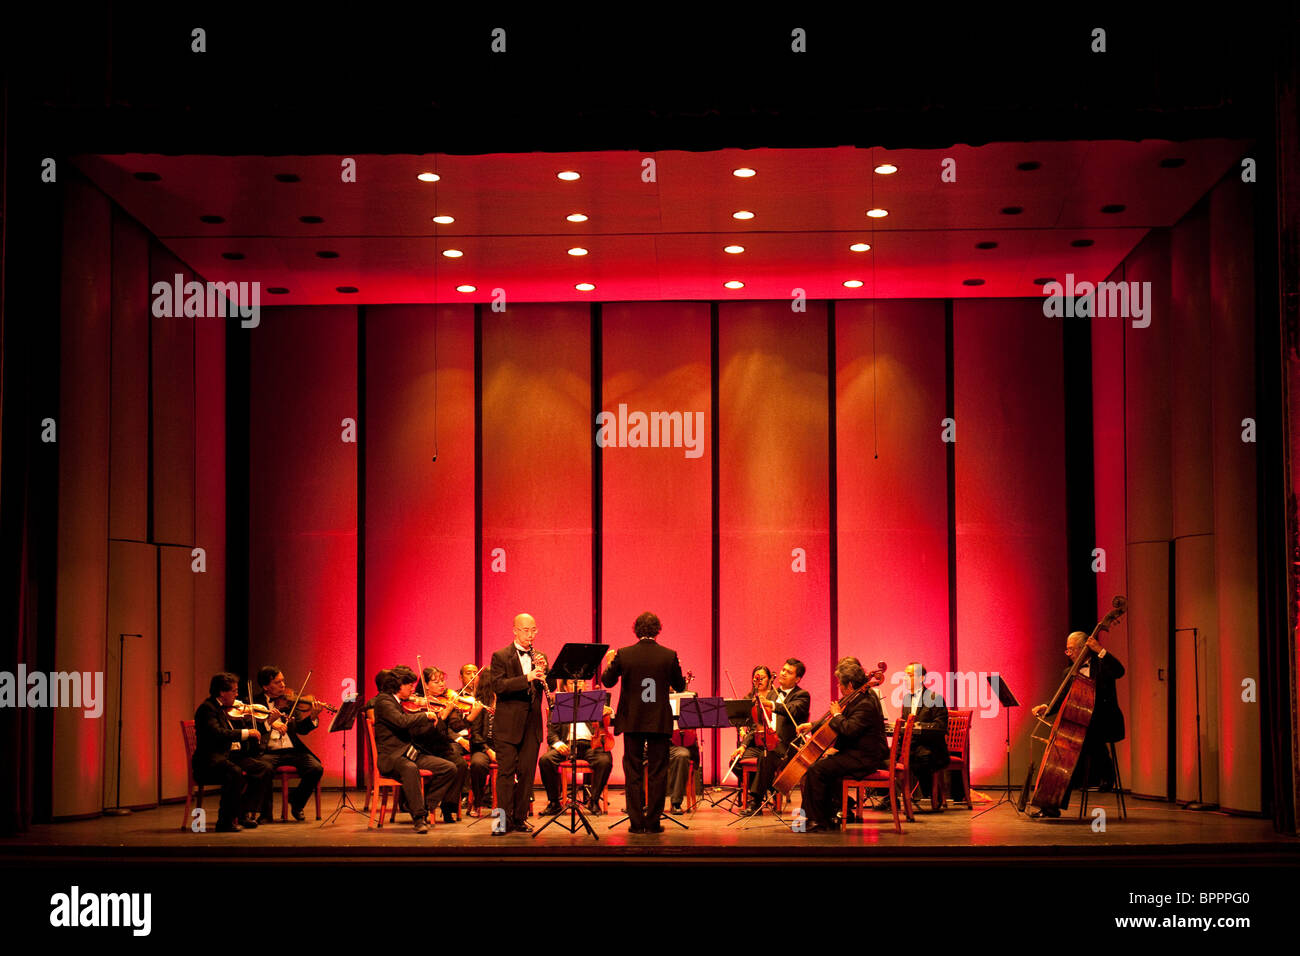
(380, 786)
(896, 777)
(583, 767)
(959, 722)
(284, 774)
(748, 768)
(194, 791)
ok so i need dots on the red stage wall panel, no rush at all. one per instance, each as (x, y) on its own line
(773, 490)
(1012, 607)
(1187, 333)
(1108, 493)
(1196, 605)
(132, 609)
(893, 509)
(129, 449)
(419, 535)
(538, 428)
(1232, 303)
(179, 655)
(209, 595)
(303, 505)
(172, 342)
(1147, 626)
(83, 441)
(656, 503)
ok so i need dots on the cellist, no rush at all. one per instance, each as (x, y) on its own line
(1107, 724)
(860, 747)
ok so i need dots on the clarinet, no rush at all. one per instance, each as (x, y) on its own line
(539, 660)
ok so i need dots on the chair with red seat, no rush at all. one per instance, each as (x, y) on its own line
(194, 791)
(284, 773)
(381, 786)
(748, 768)
(897, 776)
(959, 722)
(583, 767)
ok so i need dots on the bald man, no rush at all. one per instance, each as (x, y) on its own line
(517, 728)
(1107, 723)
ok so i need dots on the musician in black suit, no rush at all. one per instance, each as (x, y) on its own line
(517, 728)
(282, 745)
(1107, 724)
(859, 747)
(225, 754)
(645, 716)
(448, 739)
(400, 739)
(751, 742)
(589, 747)
(930, 729)
(790, 708)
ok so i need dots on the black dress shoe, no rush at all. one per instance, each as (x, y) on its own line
(448, 816)
(298, 814)
(821, 828)
(249, 822)
(551, 809)
(422, 825)
(657, 828)
(594, 808)
(228, 826)
(524, 827)
(1050, 813)
(676, 810)
(637, 830)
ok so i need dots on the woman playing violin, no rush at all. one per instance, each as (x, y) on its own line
(757, 731)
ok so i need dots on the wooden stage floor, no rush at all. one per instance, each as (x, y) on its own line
(1154, 833)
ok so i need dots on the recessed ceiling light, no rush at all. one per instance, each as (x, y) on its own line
(744, 172)
(444, 220)
(853, 283)
(287, 178)
(860, 247)
(734, 284)
(568, 175)
(147, 177)
(1112, 208)
(428, 177)
(584, 287)
(577, 251)
(742, 214)
(886, 169)
(466, 288)
(733, 249)
(347, 289)
(576, 217)
(972, 281)
(452, 253)
(877, 213)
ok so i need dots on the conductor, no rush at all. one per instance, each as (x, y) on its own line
(649, 673)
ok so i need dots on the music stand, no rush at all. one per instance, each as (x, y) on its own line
(343, 721)
(737, 711)
(577, 662)
(1006, 700)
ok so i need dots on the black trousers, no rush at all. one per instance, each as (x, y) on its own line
(451, 801)
(245, 783)
(480, 766)
(602, 765)
(770, 763)
(679, 771)
(309, 770)
(924, 763)
(821, 785)
(420, 791)
(650, 750)
(758, 753)
(518, 760)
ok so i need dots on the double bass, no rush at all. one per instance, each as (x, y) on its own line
(1065, 742)
(823, 738)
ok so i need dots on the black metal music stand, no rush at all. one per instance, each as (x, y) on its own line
(1006, 700)
(737, 710)
(577, 662)
(701, 713)
(343, 721)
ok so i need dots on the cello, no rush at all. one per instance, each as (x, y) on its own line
(823, 738)
(1065, 742)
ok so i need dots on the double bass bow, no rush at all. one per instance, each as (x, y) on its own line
(1065, 742)
(823, 738)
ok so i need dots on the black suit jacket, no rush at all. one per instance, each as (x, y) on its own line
(799, 703)
(635, 664)
(214, 732)
(480, 731)
(1107, 722)
(296, 727)
(860, 729)
(396, 730)
(517, 698)
(930, 729)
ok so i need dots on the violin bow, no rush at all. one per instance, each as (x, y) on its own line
(294, 705)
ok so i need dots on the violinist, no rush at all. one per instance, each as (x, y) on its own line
(859, 747)
(223, 755)
(790, 708)
(482, 754)
(282, 742)
(399, 745)
(751, 744)
(588, 742)
(448, 738)
(1106, 726)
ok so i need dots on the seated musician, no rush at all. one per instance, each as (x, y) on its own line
(683, 751)
(586, 742)
(751, 743)
(859, 748)
(1106, 726)
(449, 738)
(225, 753)
(399, 741)
(479, 719)
(929, 750)
(282, 743)
(791, 708)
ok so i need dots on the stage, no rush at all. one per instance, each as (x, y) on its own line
(1155, 833)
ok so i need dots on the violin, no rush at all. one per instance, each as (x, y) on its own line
(823, 738)
(301, 705)
(765, 733)
(415, 704)
(239, 711)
